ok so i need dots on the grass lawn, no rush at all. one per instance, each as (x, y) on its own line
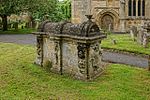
(20, 79)
(125, 43)
(19, 31)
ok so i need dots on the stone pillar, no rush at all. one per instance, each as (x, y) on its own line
(136, 8)
(122, 15)
(141, 7)
(82, 61)
(132, 8)
(39, 58)
(126, 7)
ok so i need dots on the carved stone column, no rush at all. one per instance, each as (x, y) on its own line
(82, 59)
(136, 8)
(141, 7)
(39, 59)
(132, 8)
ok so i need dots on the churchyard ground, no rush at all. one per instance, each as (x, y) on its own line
(21, 79)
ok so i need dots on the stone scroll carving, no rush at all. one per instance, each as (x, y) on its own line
(81, 51)
(82, 58)
(56, 51)
(39, 59)
(96, 53)
(95, 47)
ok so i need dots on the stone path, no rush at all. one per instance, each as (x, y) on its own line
(125, 59)
(18, 38)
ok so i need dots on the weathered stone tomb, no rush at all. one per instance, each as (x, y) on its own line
(72, 49)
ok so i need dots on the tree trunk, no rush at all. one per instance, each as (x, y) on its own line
(33, 24)
(16, 25)
(4, 22)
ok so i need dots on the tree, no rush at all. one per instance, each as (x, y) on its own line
(41, 7)
(8, 7)
(55, 10)
(65, 7)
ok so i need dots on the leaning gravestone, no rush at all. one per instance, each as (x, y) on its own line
(73, 49)
(140, 35)
(133, 32)
(146, 37)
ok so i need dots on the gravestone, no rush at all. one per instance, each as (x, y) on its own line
(133, 32)
(73, 49)
(140, 35)
(146, 37)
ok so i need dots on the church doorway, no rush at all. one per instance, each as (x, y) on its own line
(107, 22)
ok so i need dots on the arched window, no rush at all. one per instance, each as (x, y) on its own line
(139, 7)
(143, 8)
(134, 7)
(130, 8)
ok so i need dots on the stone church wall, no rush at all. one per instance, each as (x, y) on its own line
(117, 9)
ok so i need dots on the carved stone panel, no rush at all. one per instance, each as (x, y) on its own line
(57, 49)
(95, 63)
(81, 50)
(82, 58)
(95, 56)
(39, 58)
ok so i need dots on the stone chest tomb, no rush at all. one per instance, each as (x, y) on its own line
(72, 49)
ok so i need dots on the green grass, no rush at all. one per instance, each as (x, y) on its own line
(19, 31)
(20, 79)
(125, 43)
